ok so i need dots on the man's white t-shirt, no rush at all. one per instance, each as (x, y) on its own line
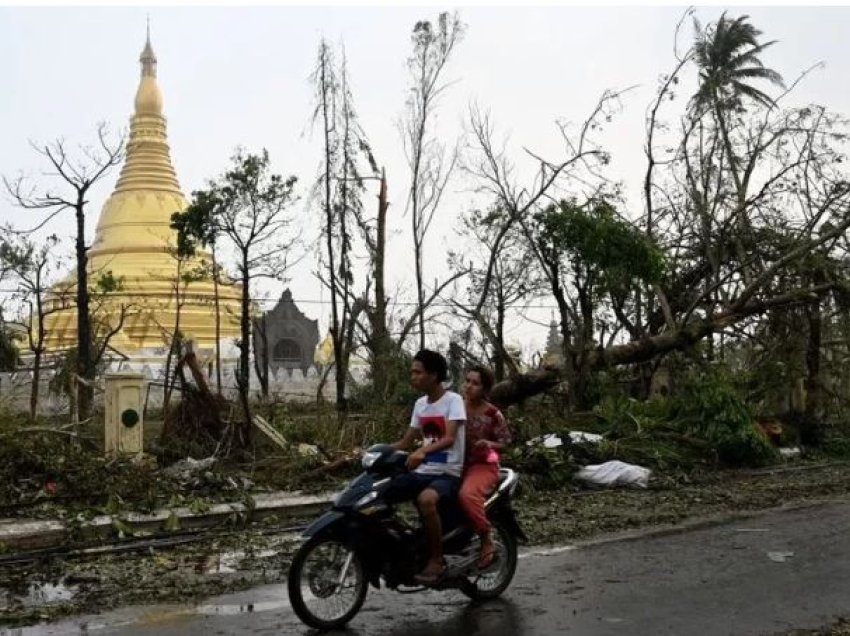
(431, 419)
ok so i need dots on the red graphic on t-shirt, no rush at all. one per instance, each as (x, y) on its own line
(433, 427)
(433, 430)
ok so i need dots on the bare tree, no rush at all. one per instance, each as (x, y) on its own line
(327, 90)
(514, 278)
(77, 176)
(109, 308)
(493, 173)
(378, 340)
(430, 164)
(340, 188)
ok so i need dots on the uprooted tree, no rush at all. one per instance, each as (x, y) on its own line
(749, 206)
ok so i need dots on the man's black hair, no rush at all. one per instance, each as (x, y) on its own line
(433, 362)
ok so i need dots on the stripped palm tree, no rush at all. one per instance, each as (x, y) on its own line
(727, 56)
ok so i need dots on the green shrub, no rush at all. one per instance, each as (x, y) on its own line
(708, 408)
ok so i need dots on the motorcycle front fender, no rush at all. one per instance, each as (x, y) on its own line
(324, 523)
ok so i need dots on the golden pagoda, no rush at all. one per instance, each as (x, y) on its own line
(135, 243)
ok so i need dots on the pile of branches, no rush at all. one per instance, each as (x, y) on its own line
(706, 427)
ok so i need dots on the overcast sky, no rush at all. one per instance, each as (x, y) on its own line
(240, 77)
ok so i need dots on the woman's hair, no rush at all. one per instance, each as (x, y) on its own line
(433, 363)
(487, 377)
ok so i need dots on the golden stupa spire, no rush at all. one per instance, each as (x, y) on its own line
(148, 163)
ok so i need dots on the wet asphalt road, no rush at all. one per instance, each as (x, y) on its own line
(766, 574)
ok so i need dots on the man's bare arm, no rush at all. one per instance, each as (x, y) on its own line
(410, 436)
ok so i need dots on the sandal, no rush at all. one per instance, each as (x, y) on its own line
(430, 578)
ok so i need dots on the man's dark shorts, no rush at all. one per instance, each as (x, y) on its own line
(408, 486)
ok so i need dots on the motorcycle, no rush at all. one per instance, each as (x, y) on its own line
(362, 540)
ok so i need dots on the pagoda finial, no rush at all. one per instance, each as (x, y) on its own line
(148, 58)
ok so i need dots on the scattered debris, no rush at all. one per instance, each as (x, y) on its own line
(304, 450)
(270, 432)
(308, 450)
(770, 428)
(187, 468)
(548, 441)
(551, 440)
(580, 437)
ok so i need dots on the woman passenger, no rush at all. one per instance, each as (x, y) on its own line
(486, 434)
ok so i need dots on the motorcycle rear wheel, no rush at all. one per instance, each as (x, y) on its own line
(490, 583)
(327, 584)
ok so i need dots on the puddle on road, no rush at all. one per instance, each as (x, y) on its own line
(231, 609)
(37, 595)
(262, 599)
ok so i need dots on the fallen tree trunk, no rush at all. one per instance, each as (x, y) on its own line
(347, 460)
(526, 385)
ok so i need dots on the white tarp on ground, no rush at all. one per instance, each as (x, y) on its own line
(615, 473)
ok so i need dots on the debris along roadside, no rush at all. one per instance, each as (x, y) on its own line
(285, 507)
(226, 560)
(55, 492)
(558, 515)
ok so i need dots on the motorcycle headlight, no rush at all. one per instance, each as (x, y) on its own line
(369, 459)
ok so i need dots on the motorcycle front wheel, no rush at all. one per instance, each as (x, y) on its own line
(327, 584)
(490, 583)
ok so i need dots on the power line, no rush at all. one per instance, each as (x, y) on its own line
(313, 301)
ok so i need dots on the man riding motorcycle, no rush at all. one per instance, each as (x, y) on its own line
(436, 467)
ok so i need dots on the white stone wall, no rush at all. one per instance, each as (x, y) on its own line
(293, 385)
(15, 393)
